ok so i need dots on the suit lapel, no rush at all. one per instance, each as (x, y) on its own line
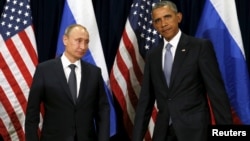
(59, 73)
(158, 64)
(181, 51)
(84, 78)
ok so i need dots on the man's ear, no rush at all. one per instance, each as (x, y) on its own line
(65, 39)
(179, 15)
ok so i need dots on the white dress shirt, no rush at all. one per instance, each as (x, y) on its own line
(66, 63)
(174, 42)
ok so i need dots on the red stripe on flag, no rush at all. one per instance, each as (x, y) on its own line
(122, 101)
(148, 136)
(131, 49)
(19, 60)
(154, 114)
(12, 115)
(4, 131)
(139, 76)
(13, 83)
(236, 119)
(29, 47)
(126, 74)
(120, 97)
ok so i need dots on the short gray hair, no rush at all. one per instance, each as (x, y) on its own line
(70, 27)
(165, 3)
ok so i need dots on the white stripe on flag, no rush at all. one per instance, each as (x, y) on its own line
(88, 19)
(229, 19)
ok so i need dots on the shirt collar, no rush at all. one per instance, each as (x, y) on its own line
(174, 41)
(66, 62)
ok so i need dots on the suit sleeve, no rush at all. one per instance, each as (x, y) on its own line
(214, 84)
(103, 118)
(33, 107)
(145, 105)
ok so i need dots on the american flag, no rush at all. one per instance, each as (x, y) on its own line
(18, 58)
(126, 75)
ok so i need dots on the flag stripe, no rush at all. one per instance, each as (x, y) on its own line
(133, 86)
(115, 85)
(14, 102)
(11, 75)
(3, 130)
(14, 120)
(133, 40)
(27, 42)
(118, 89)
(230, 20)
(122, 99)
(223, 30)
(132, 53)
(126, 74)
(18, 59)
(17, 92)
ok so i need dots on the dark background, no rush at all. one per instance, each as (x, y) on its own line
(111, 17)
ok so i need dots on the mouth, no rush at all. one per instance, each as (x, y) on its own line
(166, 31)
(81, 52)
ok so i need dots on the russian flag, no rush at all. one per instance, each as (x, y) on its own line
(82, 12)
(219, 23)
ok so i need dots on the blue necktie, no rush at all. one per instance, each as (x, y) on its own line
(168, 63)
(168, 67)
(72, 82)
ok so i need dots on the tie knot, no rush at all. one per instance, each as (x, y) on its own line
(72, 66)
(168, 46)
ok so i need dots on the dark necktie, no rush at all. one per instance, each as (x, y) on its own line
(168, 63)
(72, 81)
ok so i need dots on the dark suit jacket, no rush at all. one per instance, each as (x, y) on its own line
(195, 74)
(88, 118)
